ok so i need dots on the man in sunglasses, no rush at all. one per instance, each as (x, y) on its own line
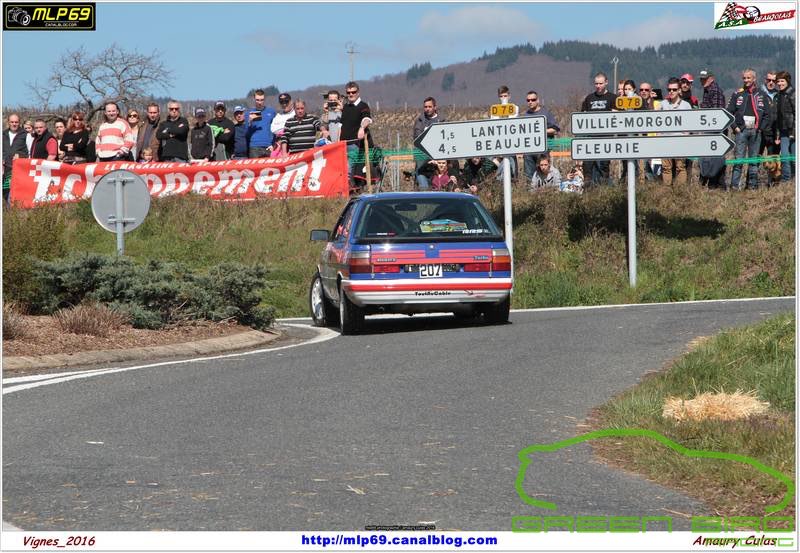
(356, 118)
(173, 134)
(674, 101)
(147, 137)
(535, 107)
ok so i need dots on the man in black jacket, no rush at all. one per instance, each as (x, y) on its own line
(223, 133)
(14, 147)
(173, 134)
(601, 99)
(751, 116)
(202, 138)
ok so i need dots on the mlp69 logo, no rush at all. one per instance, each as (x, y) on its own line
(60, 16)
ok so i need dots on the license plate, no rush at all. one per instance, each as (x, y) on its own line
(430, 271)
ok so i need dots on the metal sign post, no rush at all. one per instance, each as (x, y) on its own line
(631, 223)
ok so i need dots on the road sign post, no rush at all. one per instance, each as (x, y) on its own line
(596, 144)
(120, 202)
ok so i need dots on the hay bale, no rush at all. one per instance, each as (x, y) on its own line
(717, 406)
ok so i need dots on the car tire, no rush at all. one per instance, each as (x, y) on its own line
(497, 313)
(323, 312)
(351, 316)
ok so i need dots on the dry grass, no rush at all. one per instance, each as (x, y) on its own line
(13, 322)
(716, 406)
(92, 319)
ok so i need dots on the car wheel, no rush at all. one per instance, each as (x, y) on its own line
(323, 312)
(497, 313)
(351, 317)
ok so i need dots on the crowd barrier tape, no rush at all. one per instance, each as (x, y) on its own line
(319, 172)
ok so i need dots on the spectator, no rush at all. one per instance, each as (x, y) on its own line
(28, 126)
(325, 137)
(223, 130)
(300, 131)
(535, 108)
(201, 137)
(59, 127)
(770, 92)
(599, 100)
(173, 133)
(430, 115)
(713, 97)
(785, 127)
(241, 149)
(45, 145)
(13, 148)
(114, 139)
(621, 88)
(686, 90)
(133, 120)
(649, 102)
(146, 155)
(545, 175)
(147, 135)
(751, 116)
(673, 102)
(257, 122)
(443, 178)
(574, 181)
(76, 139)
(504, 95)
(332, 113)
(477, 170)
(287, 112)
(629, 91)
(356, 118)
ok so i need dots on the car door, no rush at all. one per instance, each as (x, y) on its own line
(335, 251)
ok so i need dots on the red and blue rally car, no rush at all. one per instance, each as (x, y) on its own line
(411, 252)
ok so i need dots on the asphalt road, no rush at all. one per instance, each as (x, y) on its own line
(419, 421)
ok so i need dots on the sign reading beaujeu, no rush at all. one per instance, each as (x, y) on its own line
(57, 16)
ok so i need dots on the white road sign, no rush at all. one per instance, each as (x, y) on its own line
(494, 137)
(646, 147)
(624, 122)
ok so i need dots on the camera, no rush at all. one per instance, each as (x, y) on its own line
(333, 105)
(258, 115)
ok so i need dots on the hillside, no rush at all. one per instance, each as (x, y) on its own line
(562, 71)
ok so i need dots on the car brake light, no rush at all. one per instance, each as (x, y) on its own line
(501, 260)
(359, 262)
(476, 267)
(386, 268)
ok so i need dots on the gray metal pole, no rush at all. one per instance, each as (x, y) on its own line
(507, 205)
(120, 216)
(631, 223)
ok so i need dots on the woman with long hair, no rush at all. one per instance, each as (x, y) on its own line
(76, 139)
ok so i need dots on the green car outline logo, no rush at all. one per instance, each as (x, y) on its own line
(525, 461)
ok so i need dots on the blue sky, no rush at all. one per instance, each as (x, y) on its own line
(218, 50)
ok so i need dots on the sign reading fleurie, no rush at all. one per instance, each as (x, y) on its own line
(615, 122)
(646, 147)
(462, 139)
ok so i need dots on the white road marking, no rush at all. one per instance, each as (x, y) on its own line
(25, 383)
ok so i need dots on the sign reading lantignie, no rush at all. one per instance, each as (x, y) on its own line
(58, 16)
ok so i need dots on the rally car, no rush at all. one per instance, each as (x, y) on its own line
(406, 252)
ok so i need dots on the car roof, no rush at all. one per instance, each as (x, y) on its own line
(415, 196)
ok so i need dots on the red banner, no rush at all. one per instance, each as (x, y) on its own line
(319, 172)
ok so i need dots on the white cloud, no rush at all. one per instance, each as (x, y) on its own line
(669, 27)
(477, 23)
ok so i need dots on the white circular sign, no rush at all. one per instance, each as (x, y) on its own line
(135, 200)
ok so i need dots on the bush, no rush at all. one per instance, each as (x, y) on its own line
(29, 234)
(154, 294)
(13, 322)
(90, 318)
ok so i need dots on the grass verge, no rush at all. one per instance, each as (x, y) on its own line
(693, 243)
(759, 358)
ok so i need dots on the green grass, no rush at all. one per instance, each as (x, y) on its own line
(570, 250)
(758, 358)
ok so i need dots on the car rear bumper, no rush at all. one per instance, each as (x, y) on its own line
(427, 291)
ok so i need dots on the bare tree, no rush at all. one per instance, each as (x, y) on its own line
(114, 75)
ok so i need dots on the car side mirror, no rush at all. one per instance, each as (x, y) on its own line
(320, 235)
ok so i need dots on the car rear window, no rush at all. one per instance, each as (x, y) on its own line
(426, 219)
